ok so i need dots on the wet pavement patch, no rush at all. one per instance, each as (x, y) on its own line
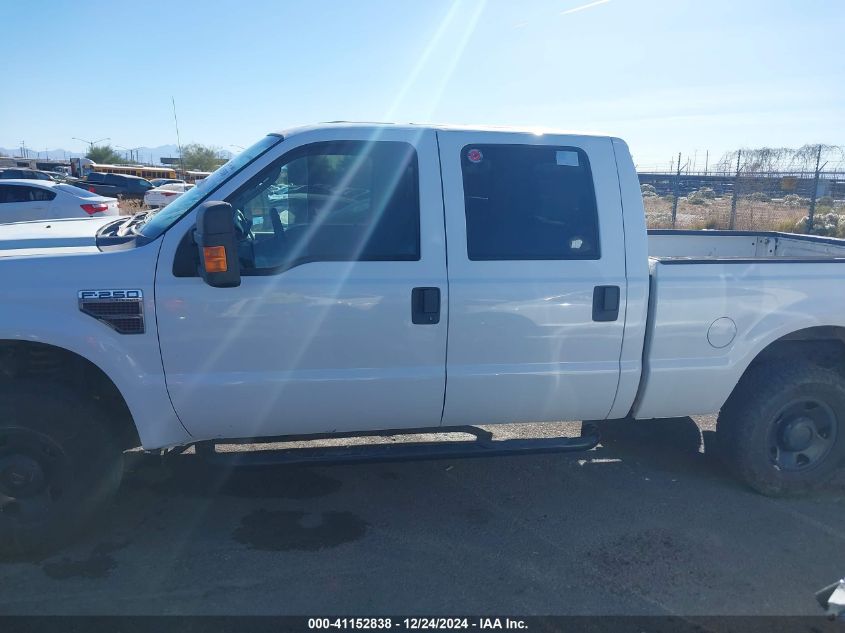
(98, 564)
(288, 530)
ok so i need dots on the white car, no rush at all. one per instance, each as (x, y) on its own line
(22, 200)
(164, 195)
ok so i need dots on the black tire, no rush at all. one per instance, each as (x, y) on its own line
(782, 431)
(59, 465)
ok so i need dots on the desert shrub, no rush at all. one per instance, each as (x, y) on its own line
(130, 206)
(708, 224)
(825, 201)
(792, 200)
(829, 224)
(791, 226)
(648, 190)
(659, 220)
(695, 199)
(759, 196)
(701, 196)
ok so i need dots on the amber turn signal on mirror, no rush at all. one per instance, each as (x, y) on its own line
(215, 259)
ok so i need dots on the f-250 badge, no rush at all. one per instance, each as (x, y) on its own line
(111, 294)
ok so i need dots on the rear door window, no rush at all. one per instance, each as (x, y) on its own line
(22, 193)
(529, 202)
(37, 194)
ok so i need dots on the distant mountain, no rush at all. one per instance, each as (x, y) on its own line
(56, 154)
(151, 155)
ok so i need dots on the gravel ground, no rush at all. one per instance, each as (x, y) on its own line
(647, 523)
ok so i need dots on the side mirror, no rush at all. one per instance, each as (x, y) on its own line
(218, 247)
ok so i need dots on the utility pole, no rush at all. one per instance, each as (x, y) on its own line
(706, 161)
(735, 192)
(811, 215)
(178, 141)
(90, 143)
(675, 192)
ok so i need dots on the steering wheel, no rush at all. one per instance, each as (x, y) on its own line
(243, 227)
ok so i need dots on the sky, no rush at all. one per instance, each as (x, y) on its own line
(667, 76)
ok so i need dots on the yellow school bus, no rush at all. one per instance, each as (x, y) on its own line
(135, 170)
(80, 167)
(194, 176)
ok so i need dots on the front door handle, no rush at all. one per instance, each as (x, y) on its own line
(605, 303)
(425, 306)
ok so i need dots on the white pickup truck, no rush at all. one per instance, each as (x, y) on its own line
(348, 279)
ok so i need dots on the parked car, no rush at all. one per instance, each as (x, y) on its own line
(165, 194)
(115, 185)
(60, 176)
(215, 320)
(25, 174)
(158, 182)
(22, 200)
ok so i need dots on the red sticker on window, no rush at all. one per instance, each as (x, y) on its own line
(474, 155)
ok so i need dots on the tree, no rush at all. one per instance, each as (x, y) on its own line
(200, 157)
(103, 154)
(773, 159)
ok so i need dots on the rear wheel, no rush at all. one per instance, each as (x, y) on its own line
(782, 431)
(58, 466)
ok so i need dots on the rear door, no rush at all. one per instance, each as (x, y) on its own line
(536, 260)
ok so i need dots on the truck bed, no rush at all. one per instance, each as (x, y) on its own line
(717, 299)
(704, 246)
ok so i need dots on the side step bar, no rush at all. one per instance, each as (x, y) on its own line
(483, 446)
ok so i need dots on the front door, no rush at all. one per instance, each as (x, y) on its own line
(321, 335)
(537, 283)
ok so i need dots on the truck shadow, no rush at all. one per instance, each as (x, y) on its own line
(167, 507)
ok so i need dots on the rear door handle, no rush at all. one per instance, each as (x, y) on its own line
(605, 303)
(425, 306)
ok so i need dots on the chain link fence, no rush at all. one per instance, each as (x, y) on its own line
(807, 197)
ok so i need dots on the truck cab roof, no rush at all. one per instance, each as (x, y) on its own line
(359, 125)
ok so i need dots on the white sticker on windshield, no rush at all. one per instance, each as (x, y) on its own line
(567, 158)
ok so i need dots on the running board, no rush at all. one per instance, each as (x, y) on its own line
(483, 446)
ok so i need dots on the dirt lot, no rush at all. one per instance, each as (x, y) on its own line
(644, 524)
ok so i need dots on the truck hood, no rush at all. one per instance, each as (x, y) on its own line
(51, 237)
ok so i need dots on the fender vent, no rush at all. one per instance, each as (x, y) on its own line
(122, 310)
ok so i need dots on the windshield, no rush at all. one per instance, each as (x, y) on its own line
(158, 222)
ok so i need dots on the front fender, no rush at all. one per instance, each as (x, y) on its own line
(40, 304)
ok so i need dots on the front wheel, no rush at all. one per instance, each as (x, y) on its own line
(58, 466)
(782, 431)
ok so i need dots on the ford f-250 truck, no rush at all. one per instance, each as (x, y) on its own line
(345, 279)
